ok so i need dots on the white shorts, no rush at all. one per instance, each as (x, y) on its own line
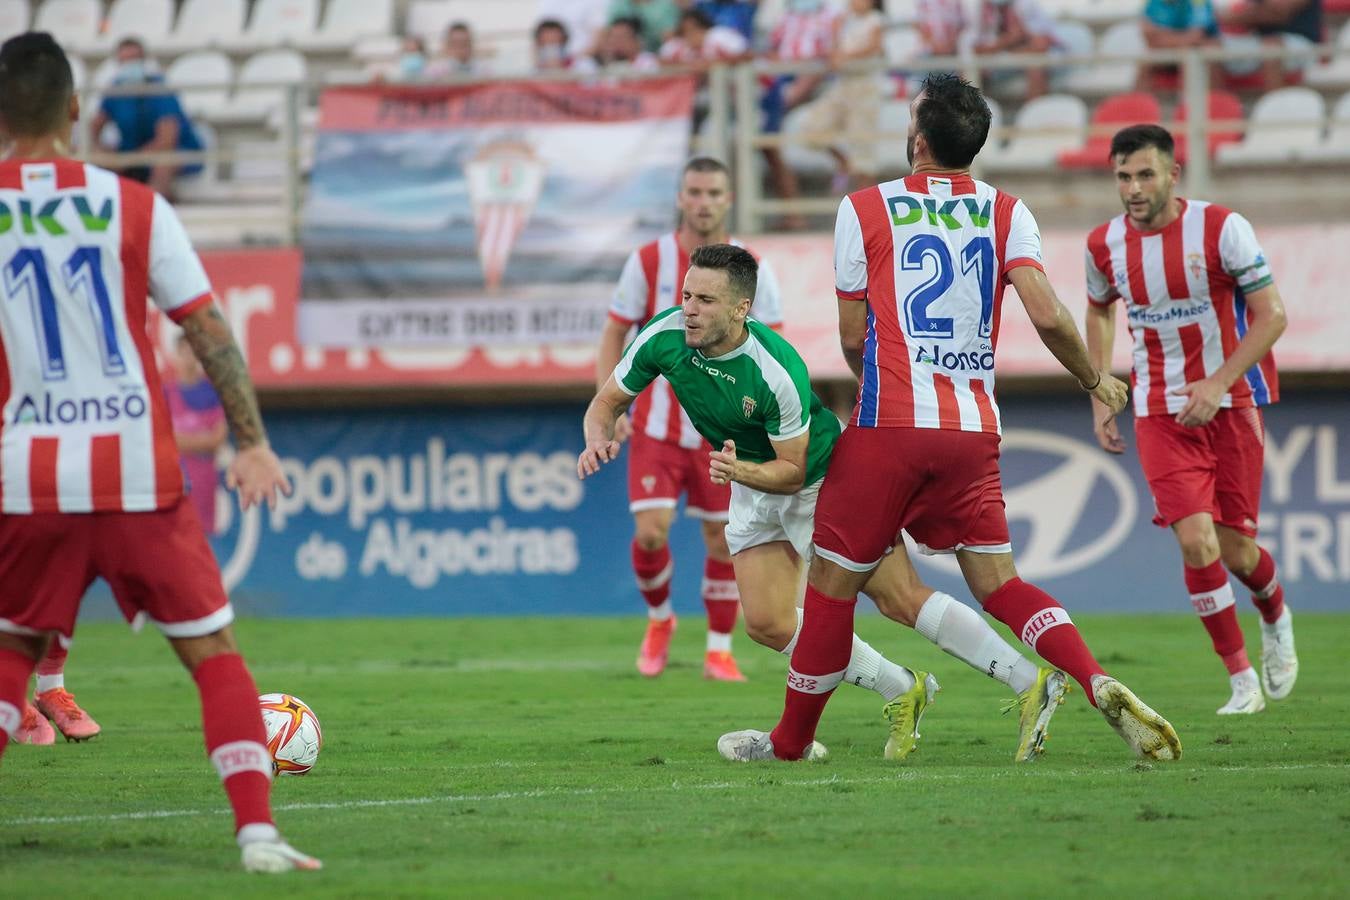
(758, 518)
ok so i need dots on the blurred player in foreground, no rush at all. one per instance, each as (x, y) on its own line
(1204, 313)
(749, 394)
(90, 484)
(52, 701)
(666, 455)
(920, 267)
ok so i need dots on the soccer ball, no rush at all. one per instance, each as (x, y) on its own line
(293, 735)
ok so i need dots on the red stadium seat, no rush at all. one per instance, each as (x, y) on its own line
(1110, 115)
(1225, 114)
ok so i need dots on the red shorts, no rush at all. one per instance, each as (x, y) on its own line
(658, 472)
(1184, 471)
(941, 486)
(156, 562)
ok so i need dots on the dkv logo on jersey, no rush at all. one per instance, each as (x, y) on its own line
(1080, 508)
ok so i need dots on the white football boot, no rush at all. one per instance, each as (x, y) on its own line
(1279, 662)
(1247, 697)
(274, 856)
(753, 746)
(1149, 735)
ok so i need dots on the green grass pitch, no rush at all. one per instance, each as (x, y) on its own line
(526, 758)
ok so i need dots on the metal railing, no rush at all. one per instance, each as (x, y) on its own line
(731, 120)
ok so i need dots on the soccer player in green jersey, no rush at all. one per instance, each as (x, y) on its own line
(748, 392)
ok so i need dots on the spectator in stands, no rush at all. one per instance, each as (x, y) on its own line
(1015, 26)
(1292, 24)
(1179, 24)
(852, 103)
(550, 49)
(738, 15)
(940, 23)
(457, 54)
(583, 20)
(412, 61)
(659, 19)
(146, 123)
(623, 46)
(804, 33)
(700, 42)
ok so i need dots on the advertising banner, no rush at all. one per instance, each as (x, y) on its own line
(486, 214)
(479, 512)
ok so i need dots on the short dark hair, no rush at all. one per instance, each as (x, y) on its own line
(131, 42)
(698, 17)
(460, 25)
(705, 164)
(550, 25)
(953, 119)
(1140, 137)
(35, 85)
(740, 266)
(632, 22)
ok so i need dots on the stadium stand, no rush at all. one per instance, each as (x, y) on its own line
(1335, 147)
(75, 23)
(1227, 118)
(202, 79)
(345, 22)
(1111, 114)
(1283, 125)
(148, 20)
(206, 23)
(1106, 78)
(1045, 128)
(1335, 72)
(278, 23)
(256, 96)
(14, 16)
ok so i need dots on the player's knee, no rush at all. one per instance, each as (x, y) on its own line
(1198, 549)
(651, 535)
(901, 606)
(1240, 556)
(715, 539)
(193, 651)
(772, 631)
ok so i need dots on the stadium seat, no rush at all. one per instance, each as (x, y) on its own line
(148, 20)
(377, 49)
(996, 140)
(347, 21)
(79, 72)
(202, 79)
(74, 23)
(891, 151)
(1111, 114)
(902, 46)
(1284, 124)
(1226, 117)
(14, 17)
(427, 18)
(1093, 12)
(206, 23)
(1075, 39)
(278, 23)
(1045, 128)
(1334, 73)
(256, 104)
(804, 159)
(1121, 39)
(1335, 147)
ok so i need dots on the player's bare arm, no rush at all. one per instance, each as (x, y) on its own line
(1057, 331)
(255, 472)
(784, 475)
(609, 403)
(1203, 398)
(853, 333)
(612, 339)
(1101, 337)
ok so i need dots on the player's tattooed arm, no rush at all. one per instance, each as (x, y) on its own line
(853, 333)
(209, 335)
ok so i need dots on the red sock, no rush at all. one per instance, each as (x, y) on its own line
(14, 671)
(653, 569)
(818, 665)
(1045, 627)
(1212, 597)
(54, 663)
(235, 738)
(1267, 592)
(720, 596)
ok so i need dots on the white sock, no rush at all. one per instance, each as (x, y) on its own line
(719, 642)
(792, 644)
(659, 613)
(257, 831)
(869, 669)
(50, 682)
(962, 632)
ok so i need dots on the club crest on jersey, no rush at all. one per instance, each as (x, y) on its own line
(748, 406)
(1197, 263)
(649, 483)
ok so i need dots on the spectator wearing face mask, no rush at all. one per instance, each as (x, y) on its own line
(550, 49)
(622, 46)
(1015, 26)
(457, 55)
(412, 61)
(659, 19)
(583, 21)
(146, 123)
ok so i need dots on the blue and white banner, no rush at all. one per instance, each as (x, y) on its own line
(479, 512)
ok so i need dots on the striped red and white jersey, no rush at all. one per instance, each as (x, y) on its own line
(652, 281)
(930, 256)
(85, 426)
(804, 35)
(1183, 287)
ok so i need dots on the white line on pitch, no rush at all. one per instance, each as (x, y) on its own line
(904, 775)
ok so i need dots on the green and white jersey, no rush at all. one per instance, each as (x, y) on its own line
(757, 393)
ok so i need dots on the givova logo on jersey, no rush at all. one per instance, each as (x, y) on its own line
(47, 410)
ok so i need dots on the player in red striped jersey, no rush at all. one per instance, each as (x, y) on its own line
(666, 456)
(1203, 313)
(89, 479)
(920, 267)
